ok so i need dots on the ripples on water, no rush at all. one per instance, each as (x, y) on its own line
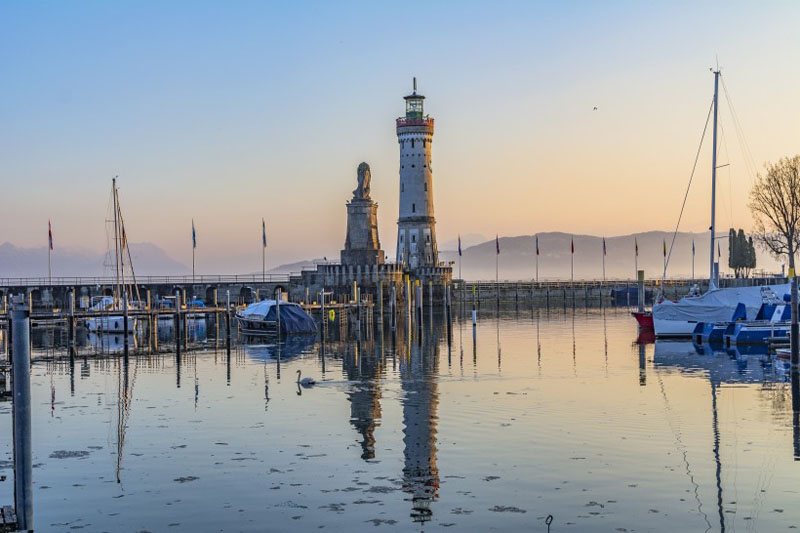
(558, 412)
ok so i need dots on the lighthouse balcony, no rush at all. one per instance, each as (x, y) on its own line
(415, 124)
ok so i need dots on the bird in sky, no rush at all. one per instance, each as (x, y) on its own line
(595, 108)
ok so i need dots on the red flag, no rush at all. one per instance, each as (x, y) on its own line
(50, 234)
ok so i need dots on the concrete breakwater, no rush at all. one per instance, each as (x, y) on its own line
(43, 294)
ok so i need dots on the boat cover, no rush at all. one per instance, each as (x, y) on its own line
(293, 318)
(715, 306)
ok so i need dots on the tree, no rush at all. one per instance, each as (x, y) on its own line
(775, 206)
(741, 253)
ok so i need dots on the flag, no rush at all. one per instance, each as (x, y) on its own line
(459, 245)
(263, 233)
(194, 236)
(497, 243)
(665, 247)
(50, 234)
(692, 247)
(124, 238)
(636, 246)
(604, 246)
(719, 252)
(572, 245)
(537, 245)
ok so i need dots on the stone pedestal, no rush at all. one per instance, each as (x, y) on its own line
(362, 246)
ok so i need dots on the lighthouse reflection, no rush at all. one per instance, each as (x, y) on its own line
(414, 355)
(418, 379)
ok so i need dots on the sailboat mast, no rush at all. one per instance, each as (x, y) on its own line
(712, 278)
(122, 242)
(117, 294)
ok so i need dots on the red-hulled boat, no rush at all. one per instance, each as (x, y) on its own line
(644, 318)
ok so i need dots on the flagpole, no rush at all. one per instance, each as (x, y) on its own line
(572, 260)
(604, 259)
(49, 251)
(263, 251)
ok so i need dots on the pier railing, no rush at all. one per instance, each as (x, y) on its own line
(146, 280)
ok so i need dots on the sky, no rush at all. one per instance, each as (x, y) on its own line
(227, 112)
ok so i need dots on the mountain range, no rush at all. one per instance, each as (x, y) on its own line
(517, 259)
(148, 259)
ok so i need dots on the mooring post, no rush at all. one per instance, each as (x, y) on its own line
(358, 312)
(393, 308)
(449, 310)
(125, 324)
(278, 313)
(380, 300)
(71, 329)
(21, 386)
(418, 287)
(323, 318)
(228, 322)
(178, 321)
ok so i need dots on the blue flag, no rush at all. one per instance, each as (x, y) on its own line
(459, 245)
(194, 236)
(263, 233)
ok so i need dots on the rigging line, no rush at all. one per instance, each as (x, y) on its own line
(685, 196)
(743, 145)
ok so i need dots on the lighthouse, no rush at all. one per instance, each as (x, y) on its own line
(416, 225)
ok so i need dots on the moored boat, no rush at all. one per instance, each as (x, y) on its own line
(261, 318)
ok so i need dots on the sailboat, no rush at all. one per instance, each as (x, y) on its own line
(679, 319)
(123, 289)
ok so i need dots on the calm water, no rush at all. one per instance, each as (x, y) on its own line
(558, 413)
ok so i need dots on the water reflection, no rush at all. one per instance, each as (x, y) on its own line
(533, 433)
(418, 379)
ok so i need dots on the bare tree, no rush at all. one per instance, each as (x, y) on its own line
(775, 205)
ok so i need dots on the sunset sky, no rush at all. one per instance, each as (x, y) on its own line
(227, 112)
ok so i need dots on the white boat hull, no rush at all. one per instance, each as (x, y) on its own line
(673, 328)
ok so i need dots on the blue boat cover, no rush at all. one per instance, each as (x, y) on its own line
(293, 319)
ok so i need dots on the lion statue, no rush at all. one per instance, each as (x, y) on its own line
(364, 177)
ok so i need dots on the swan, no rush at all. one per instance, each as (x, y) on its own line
(305, 382)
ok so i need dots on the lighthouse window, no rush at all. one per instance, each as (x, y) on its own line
(413, 166)
(402, 187)
(413, 238)
(427, 238)
(425, 166)
(426, 187)
(412, 143)
(423, 144)
(413, 208)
